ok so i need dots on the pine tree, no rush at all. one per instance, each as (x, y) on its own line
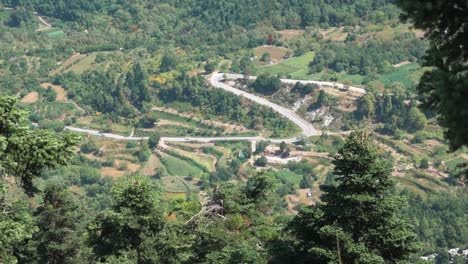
(132, 225)
(444, 88)
(24, 154)
(58, 238)
(359, 220)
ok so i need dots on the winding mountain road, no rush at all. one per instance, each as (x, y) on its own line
(216, 80)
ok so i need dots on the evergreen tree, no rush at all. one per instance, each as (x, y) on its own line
(24, 154)
(444, 88)
(366, 106)
(359, 220)
(132, 225)
(416, 120)
(387, 106)
(58, 238)
(168, 62)
(153, 140)
(322, 99)
(267, 84)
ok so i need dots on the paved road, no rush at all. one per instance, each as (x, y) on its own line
(216, 81)
(176, 139)
(229, 76)
(307, 129)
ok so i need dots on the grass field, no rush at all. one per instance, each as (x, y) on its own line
(167, 131)
(452, 163)
(298, 68)
(173, 184)
(205, 160)
(421, 183)
(179, 167)
(84, 64)
(56, 34)
(289, 176)
(277, 53)
(290, 66)
(53, 110)
(92, 123)
(407, 75)
(178, 118)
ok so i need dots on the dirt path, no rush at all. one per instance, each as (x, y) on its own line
(30, 98)
(63, 66)
(44, 25)
(61, 93)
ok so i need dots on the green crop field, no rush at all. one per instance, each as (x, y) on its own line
(289, 176)
(56, 34)
(407, 75)
(178, 118)
(173, 184)
(453, 163)
(84, 64)
(179, 167)
(290, 66)
(204, 160)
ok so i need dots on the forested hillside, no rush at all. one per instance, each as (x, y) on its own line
(233, 131)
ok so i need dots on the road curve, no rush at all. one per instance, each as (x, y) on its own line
(231, 76)
(307, 129)
(216, 80)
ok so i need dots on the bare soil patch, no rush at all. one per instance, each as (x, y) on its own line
(277, 53)
(401, 64)
(30, 98)
(419, 33)
(290, 33)
(195, 72)
(300, 197)
(131, 167)
(229, 128)
(335, 34)
(111, 172)
(65, 64)
(61, 93)
(151, 166)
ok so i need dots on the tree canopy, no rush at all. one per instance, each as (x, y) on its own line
(445, 87)
(359, 220)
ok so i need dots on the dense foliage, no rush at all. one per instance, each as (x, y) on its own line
(371, 56)
(121, 63)
(359, 220)
(445, 87)
(25, 154)
(220, 103)
(393, 110)
(439, 219)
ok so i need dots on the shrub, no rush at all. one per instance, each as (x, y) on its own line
(89, 147)
(418, 138)
(123, 166)
(52, 125)
(261, 162)
(153, 140)
(142, 155)
(108, 163)
(267, 84)
(424, 164)
(266, 57)
(148, 120)
(131, 144)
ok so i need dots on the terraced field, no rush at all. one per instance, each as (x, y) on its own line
(178, 167)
